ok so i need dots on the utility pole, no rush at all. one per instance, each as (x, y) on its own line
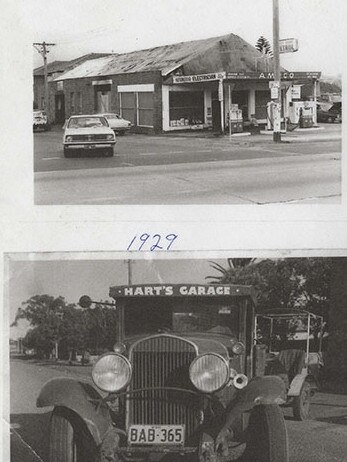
(129, 262)
(277, 73)
(43, 49)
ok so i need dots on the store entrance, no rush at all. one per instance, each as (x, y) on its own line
(216, 113)
(241, 99)
(59, 108)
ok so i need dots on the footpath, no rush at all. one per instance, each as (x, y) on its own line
(322, 133)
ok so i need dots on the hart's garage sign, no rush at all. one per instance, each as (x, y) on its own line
(177, 290)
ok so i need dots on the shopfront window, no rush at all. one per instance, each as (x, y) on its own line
(186, 108)
(137, 107)
(145, 108)
(128, 106)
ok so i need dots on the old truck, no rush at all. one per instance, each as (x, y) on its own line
(182, 382)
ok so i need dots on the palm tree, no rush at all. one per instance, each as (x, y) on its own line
(233, 264)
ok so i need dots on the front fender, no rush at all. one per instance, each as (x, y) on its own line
(81, 398)
(260, 390)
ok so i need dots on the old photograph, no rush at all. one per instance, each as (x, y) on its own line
(226, 359)
(228, 102)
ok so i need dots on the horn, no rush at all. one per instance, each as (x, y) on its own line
(240, 381)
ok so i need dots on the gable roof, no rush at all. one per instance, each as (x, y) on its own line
(223, 53)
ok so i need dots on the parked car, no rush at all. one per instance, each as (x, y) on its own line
(330, 115)
(40, 121)
(181, 381)
(291, 354)
(117, 123)
(336, 108)
(88, 134)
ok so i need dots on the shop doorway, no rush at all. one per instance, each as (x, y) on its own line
(102, 98)
(241, 99)
(59, 108)
(216, 113)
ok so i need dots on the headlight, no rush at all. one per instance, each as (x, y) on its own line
(209, 373)
(68, 138)
(112, 372)
(110, 137)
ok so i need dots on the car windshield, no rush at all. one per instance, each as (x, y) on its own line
(112, 116)
(181, 316)
(87, 122)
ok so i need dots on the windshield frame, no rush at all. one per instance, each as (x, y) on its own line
(102, 119)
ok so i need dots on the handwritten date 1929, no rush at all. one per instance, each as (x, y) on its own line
(152, 242)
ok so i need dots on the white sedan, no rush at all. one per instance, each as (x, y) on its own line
(88, 134)
(117, 123)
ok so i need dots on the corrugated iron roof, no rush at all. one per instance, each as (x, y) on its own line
(167, 58)
(63, 66)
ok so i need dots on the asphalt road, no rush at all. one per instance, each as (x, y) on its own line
(181, 170)
(323, 439)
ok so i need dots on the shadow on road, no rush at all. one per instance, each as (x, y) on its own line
(29, 436)
(339, 420)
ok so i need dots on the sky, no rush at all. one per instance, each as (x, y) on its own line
(73, 278)
(78, 27)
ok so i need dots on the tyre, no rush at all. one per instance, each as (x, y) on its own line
(109, 152)
(69, 439)
(121, 133)
(267, 439)
(301, 403)
(67, 153)
(330, 120)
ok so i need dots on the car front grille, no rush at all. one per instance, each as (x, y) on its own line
(86, 138)
(159, 362)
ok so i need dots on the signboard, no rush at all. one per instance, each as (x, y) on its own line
(289, 45)
(274, 92)
(296, 91)
(198, 77)
(271, 75)
(190, 290)
(274, 84)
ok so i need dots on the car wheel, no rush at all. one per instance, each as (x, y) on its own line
(121, 133)
(67, 153)
(267, 439)
(69, 439)
(330, 120)
(109, 152)
(301, 403)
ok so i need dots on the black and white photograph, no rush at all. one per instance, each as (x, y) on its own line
(176, 102)
(221, 359)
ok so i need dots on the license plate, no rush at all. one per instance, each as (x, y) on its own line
(156, 434)
(89, 146)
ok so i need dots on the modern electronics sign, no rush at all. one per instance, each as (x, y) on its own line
(198, 77)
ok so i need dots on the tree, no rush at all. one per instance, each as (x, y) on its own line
(53, 321)
(336, 361)
(264, 46)
(282, 283)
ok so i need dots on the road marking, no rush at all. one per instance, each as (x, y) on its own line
(174, 152)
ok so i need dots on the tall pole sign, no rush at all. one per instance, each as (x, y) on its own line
(277, 74)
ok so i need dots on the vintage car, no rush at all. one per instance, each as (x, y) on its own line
(331, 115)
(180, 384)
(291, 355)
(40, 121)
(88, 134)
(119, 125)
